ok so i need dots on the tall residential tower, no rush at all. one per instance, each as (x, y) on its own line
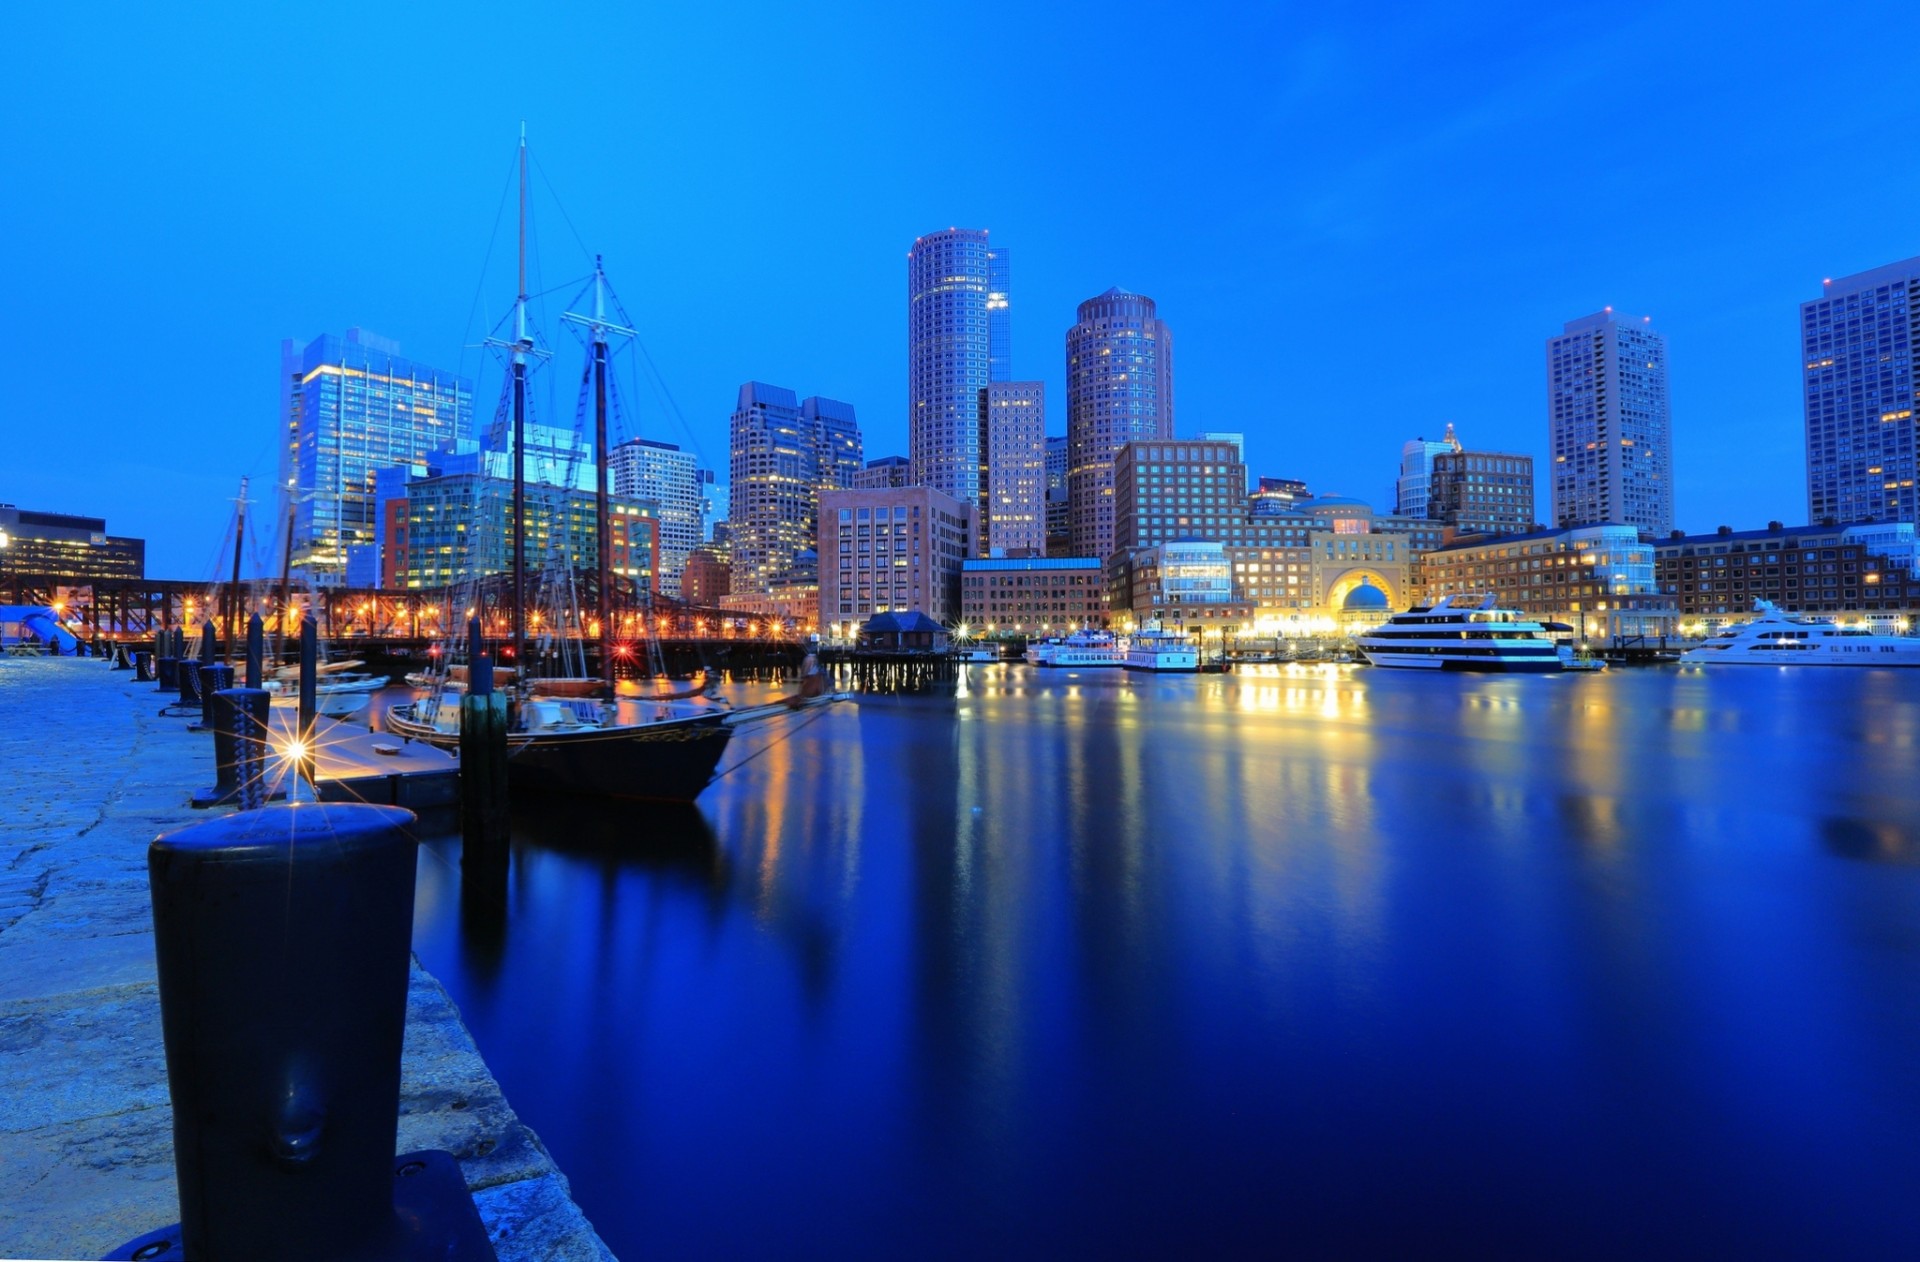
(958, 334)
(783, 453)
(1861, 397)
(1610, 434)
(1119, 389)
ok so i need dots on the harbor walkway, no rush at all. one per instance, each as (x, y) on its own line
(89, 774)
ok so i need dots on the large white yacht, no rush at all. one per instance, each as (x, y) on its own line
(1452, 636)
(1081, 649)
(1152, 648)
(1774, 638)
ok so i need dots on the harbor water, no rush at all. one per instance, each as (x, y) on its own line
(1301, 961)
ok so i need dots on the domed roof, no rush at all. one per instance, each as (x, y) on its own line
(1338, 501)
(1365, 597)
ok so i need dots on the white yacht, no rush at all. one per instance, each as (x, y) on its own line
(1774, 638)
(1151, 648)
(1452, 636)
(1081, 649)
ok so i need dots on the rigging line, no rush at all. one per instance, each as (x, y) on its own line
(790, 734)
(485, 261)
(660, 384)
(560, 206)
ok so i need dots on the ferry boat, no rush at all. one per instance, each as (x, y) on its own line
(1154, 649)
(1774, 638)
(1452, 636)
(1082, 649)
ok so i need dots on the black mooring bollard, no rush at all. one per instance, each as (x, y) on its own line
(241, 756)
(309, 694)
(169, 673)
(186, 673)
(120, 661)
(143, 668)
(215, 677)
(282, 937)
(256, 650)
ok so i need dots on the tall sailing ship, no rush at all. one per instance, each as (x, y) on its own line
(573, 734)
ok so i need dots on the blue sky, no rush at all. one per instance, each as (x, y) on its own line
(1362, 223)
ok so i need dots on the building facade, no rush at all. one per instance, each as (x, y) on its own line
(351, 406)
(1609, 425)
(60, 545)
(894, 549)
(1187, 585)
(783, 452)
(957, 304)
(885, 472)
(1416, 468)
(707, 577)
(1119, 390)
(1014, 510)
(1837, 570)
(661, 474)
(1275, 497)
(1481, 492)
(1860, 396)
(1597, 579)
(451, 528)
(1041, 596)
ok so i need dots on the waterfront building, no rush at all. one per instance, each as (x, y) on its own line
(1182, 584)
(453, 525)
(957, 306)
(1481, 492)
(643, 470)
(1014, 508)
(61, 545)
(1598, 579)
(1119, 390)
(1059, 528)
(794, 606)
(783, 453)
(1867, 569)
(1416, 468)
(1032, 595)
(1610, 431)
(1275, 497)
(350, 406)
(895, 549)
(707, 576)
(1859, 390)
(885, 472)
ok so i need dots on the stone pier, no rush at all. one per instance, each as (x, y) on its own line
(89, 774)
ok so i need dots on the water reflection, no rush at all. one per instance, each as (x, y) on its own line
(1377, 963)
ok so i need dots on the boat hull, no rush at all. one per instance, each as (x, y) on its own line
(1483, 665)
(655, 762)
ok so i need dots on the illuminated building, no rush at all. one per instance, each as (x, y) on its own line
(1481, 492)
(1868, 568)
(1013, 415)
(1610, 433)
(1859, 390)
(1182, 583)
(1276, 497)
(1119, 389)
(1032, 595)
(1059, 531)
(59, 545)
(958, 342)
(1416, 467)
(1597, 579)
(894, 549)
(663, 475)
(784, 452)
(882, 473)
(707, 577)
(350, 407)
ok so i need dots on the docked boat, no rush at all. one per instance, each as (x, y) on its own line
(1081, 650)
(1450, 636)
(1152, 648)
(1775, 638)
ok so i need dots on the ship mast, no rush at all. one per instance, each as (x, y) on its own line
(599, 327)
(521, 345)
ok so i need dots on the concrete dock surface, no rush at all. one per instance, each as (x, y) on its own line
(90, 773)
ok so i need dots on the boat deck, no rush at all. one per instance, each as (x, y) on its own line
(352, 764)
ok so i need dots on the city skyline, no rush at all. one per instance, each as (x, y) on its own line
(1255, 259)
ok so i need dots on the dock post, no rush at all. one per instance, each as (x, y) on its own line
(483, 761)
(309, 693)
(252, 755)
(256, 649)
(282, 938)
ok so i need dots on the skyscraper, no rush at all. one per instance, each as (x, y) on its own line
(1119, 389)
(641, 469)
(1059, 533)
(783, 453)
(1857, 343)
(1610, 431)
(954, 313)
(351, 406)
(1481, 492)
(1014, 520)
(1416, 467)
